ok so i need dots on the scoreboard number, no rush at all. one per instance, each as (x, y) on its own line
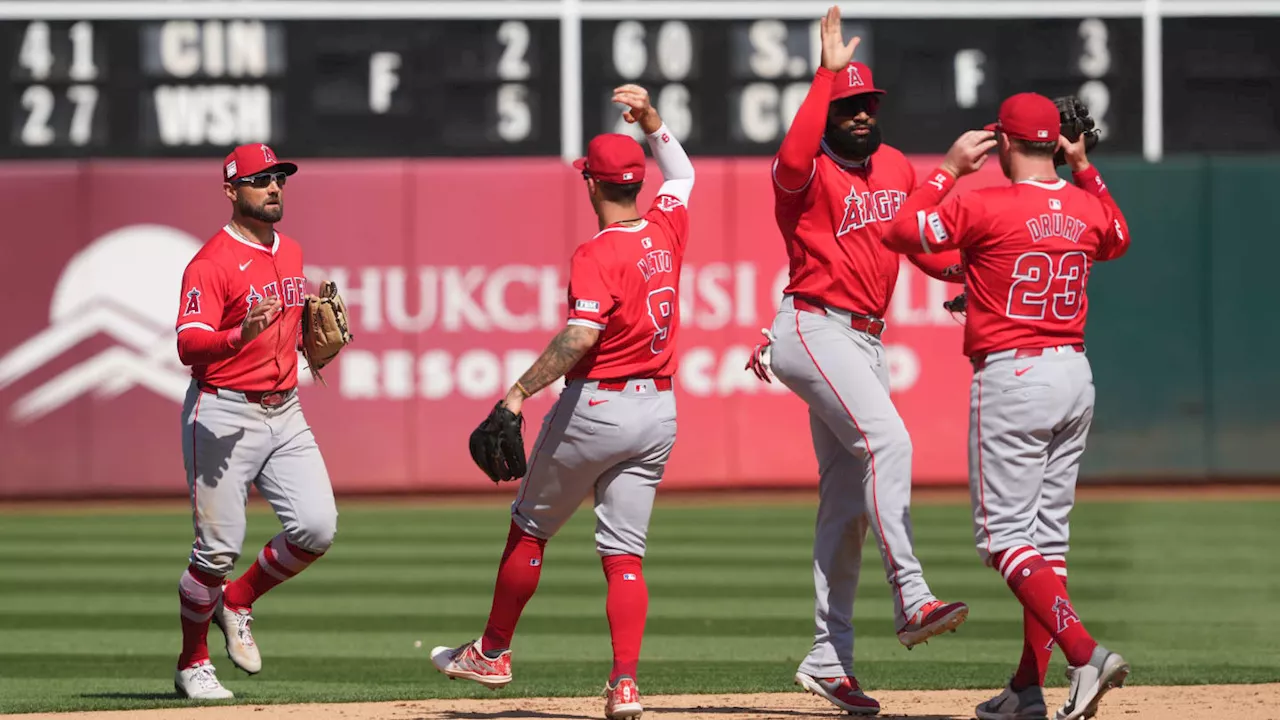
(673, 53)
(40, 101)
(1095, 63)
(515, 118)
(36, 53)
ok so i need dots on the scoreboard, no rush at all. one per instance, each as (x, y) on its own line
(326, 88)
(732, 87)
(415, 87)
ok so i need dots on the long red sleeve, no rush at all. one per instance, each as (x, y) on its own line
(202, 347)
(794, 162)
(903, 234)
(1115, 237)
(944, 266)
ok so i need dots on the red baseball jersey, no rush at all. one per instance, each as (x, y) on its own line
(832, 227)
(1027, 250)
(227, 276)
(625, 282)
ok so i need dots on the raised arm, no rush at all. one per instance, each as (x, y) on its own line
(793, 165)
(1115, 237)
(907, 231)
(673, 161)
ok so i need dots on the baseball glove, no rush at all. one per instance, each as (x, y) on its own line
(497, 445)
(957, 304)
(1074, 116)
(324, 328)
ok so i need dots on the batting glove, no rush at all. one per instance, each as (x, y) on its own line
(760, 362)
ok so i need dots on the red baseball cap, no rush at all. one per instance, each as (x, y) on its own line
(855, 79)
(252, 159)
(613, 158)
(1028, 116)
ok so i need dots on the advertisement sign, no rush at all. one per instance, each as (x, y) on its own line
(454, 272)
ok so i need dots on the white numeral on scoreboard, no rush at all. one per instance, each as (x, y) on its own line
(515, 120)
(85, 98)
(37, 100)
(514, 36)
(83, 68)
(35, 54)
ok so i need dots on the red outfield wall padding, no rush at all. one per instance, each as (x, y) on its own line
(455, 274)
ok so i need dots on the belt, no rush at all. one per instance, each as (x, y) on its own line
(663, 384)
(872, 326)
(980, 361)
(275, 398)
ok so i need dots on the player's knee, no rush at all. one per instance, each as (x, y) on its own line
(315, 530)
(892, 440)
(218, 563)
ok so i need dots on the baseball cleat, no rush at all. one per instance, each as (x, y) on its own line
(237, 626)
(199, 682)
(933, 618)
(468, 663)
(1024, 704)
(622, 700)
(843, 692)
(1106, 670)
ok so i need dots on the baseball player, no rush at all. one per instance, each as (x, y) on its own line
(242, 425)
(613, 427)
(1028, 248)
(836, 187)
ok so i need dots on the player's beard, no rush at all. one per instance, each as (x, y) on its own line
(850, 146)
(261, 213)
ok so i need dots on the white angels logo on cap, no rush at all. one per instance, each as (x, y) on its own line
(267, 154)
(855, 77)
(231, 169)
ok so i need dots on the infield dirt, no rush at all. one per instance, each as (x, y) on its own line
(1204, 702)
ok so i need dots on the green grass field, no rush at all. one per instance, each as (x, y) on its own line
(89, 612)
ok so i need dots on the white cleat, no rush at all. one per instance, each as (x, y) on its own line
(1106, 670)
(199, 682)
(237, 626)
(1025, 704)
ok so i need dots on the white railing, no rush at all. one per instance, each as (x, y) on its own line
(570, 13)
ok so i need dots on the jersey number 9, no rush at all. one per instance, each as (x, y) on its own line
(662, 311)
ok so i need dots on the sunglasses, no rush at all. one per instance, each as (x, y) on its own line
(263, 180)
(857, 104)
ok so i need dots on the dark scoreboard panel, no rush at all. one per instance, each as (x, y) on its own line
(732, 87)
(419, 87)
(1222, 84)
(331, 88)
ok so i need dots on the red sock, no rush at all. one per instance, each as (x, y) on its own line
(518, 575)
(1037, 643)
(198, 594)
(278, 561)
(627, 606)
(1041, 592)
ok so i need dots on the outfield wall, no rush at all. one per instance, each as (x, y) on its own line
(455, 273)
